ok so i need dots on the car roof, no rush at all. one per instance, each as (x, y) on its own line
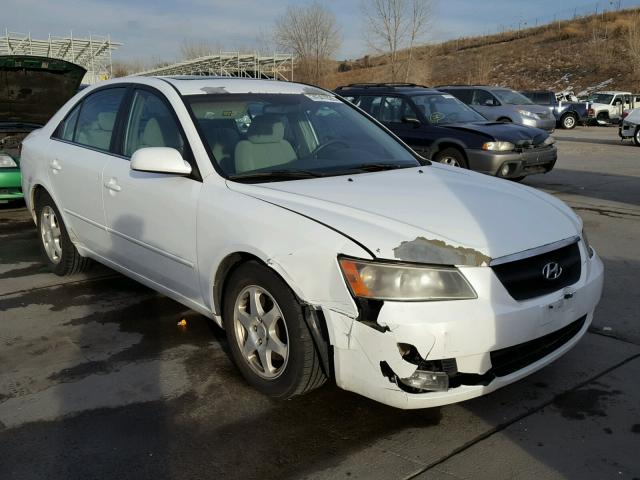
(202, 85)
(486, 87)
(401, 88)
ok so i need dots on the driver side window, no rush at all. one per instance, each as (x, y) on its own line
(394, 109)
(482, 97)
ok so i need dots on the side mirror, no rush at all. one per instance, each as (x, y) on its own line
(159, 160)
(489, 103)
(412, 121)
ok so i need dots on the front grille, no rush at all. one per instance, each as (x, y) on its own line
(512, 359)
(524, 279)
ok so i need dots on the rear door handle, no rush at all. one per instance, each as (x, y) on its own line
(113, 185)
(55, 166)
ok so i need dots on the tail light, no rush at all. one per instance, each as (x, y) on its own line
(625, 114)
(591, 112)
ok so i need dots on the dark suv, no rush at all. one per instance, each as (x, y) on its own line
(440, 127)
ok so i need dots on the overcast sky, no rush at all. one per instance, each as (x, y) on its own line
(156, 28)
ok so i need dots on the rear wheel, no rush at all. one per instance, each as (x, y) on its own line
(62, 256)
(568, 121)
(451, 156)
(636, 137)
(268, 337)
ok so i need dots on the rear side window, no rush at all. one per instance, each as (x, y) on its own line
(97, 118)
(67, 127)
(151, 124)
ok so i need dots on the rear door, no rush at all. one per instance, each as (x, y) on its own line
(81, 148)
(151, 217)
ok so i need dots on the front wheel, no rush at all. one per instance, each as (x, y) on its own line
(268, 337)
(61, 254)
(636, 137)
(568, 122)
(452, 157)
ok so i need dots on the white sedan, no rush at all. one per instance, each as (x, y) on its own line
(321, 243)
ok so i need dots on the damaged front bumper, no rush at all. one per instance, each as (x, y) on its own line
(480, 344)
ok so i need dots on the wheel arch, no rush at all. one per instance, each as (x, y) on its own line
(504, 119)
(314, 318)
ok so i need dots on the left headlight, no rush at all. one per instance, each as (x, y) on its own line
(498, 146)
(549, 140)
(7, 162)
(527, 113)
(400, 282)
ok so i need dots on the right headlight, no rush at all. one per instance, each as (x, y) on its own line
(402, 282)
(527, 113)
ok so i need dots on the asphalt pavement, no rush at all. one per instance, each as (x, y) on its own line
(99, 380)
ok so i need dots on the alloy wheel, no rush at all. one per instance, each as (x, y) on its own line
(51, 234)
(569, 122)
(261, 332)
(448, 160)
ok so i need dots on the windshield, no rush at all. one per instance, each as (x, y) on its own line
(444, 109)
(307, 134)
(511, 97)
(601, 98)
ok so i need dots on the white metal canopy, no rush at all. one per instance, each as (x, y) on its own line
(92, 53)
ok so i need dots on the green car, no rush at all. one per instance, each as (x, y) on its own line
(32, 89)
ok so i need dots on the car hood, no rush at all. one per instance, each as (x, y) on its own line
(434, 214)
(33, 88)
(510, 132)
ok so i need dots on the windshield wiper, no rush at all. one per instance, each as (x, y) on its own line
(275, 175)
(376, 167)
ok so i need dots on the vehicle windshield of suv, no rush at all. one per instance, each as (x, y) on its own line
(511, 97)
(272, 137)
(604, 98)
(444, 109)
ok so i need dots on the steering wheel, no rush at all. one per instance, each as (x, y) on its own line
(330, 143)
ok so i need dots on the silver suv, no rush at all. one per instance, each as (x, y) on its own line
(503, 105)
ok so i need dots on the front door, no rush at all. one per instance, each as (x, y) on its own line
(151, 217)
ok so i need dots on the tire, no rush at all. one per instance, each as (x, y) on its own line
(56, 246)
(568, 121)
(279, 373)
(636, 137)
(517, 179)
(451, 156)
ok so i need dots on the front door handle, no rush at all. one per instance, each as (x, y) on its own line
(55, 166)
(113, 185)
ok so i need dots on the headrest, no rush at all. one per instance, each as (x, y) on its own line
(106, 120)
(152, 134)
(266, 129)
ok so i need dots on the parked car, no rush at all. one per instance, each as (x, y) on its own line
(503, 105)
(607, 106)
(320, 241)
(440, 127)
(32, 89)
(630, 126)
(567, 114)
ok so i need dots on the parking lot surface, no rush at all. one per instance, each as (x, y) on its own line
(99, 380)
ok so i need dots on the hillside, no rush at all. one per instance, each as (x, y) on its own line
(576, 54)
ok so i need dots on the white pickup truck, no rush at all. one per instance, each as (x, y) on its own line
(607, 106)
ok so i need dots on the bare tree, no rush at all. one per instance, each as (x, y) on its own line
(191, 49)
(312, 34)
(392, 26)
